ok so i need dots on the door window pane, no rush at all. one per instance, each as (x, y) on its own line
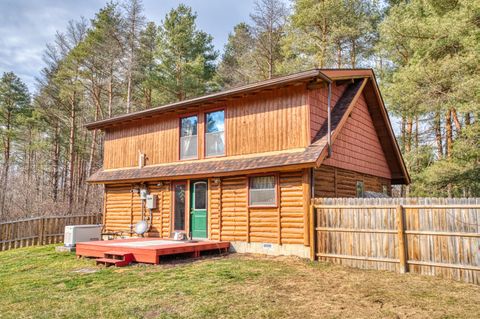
(188, 137)
(215, 134)
(179, 218)
(262, 191)
(200, 198)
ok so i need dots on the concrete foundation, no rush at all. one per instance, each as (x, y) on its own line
(270, 249)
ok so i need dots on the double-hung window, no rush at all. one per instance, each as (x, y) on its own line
(262, 191)
(215, 133)
(188, 137)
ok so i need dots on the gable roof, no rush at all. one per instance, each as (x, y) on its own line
(311, 156)
(362, 81)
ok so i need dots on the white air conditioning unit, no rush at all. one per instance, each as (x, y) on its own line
(79, 233)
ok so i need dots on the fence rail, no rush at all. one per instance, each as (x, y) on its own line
(40, 230)
(434, 236)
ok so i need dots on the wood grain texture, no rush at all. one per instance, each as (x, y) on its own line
(40, 230)
(279, 117)
(433, 236)
(358, 147)
(229, 217)
(336, 182)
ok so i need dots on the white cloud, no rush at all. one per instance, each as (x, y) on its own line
(27, 26)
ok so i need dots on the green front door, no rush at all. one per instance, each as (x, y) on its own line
(198, 209)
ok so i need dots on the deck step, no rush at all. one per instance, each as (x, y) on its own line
(112, 262)
(115, 258)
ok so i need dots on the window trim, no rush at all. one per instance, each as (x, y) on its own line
(277, 192)
(224, 109)
(180, 117)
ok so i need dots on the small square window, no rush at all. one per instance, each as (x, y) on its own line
(360, 189)
(262, 191)
(385, 189)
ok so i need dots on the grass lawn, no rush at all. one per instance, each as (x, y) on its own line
(40, 283)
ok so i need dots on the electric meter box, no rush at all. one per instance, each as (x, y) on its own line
(143, 193)
(152, 201)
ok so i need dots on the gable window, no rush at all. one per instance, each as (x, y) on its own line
(262, 191)
(188, 137)
(215, 133)
(360, 189)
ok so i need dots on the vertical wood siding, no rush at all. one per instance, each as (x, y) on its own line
(268, 121)
(336, 182)
(274, 120)
(158, 138)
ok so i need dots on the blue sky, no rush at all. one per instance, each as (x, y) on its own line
(26, 26)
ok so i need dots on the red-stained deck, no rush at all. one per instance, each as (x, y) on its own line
(148, 250)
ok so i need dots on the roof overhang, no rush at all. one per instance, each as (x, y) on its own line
(296, 78)
(362, 82)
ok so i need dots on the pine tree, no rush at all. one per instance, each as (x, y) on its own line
(186, 57)
(14, 104)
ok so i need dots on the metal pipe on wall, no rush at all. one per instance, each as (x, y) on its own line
(329, 119)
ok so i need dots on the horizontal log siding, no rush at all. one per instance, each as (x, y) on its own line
(118, 208)
(268, 121)
(234, 208)
(214, 209)
(336, 182)
(358, 147)
(123, 210)
(229, 218)
(291, 208)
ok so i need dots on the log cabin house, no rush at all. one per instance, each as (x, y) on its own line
(242, 165)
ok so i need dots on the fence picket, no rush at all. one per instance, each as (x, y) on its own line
(429, 235)
(39, 230)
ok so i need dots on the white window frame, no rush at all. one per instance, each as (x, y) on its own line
(275, 189)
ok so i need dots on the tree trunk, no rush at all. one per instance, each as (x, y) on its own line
(353, 54)
(408, 135)
(71, 152)
(448, 133)
(402, 133)
(90, 162)
(438, 135)
(467, 119)
(456, 121)
(56, 162)
(6, 163)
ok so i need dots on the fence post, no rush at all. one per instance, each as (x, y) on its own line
(41, 230)
(402, 251)
(313, 231)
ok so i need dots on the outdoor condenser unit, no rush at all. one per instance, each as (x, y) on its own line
(79, 233)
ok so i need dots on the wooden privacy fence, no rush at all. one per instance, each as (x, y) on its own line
(40, 230)
(434, 236)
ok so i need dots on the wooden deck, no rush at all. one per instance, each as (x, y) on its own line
(149, 250)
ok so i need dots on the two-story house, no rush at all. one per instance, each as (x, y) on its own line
(242, 165)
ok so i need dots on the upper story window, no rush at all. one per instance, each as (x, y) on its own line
(188, 137)
(215, 133)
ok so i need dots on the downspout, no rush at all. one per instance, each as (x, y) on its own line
(329, 119)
